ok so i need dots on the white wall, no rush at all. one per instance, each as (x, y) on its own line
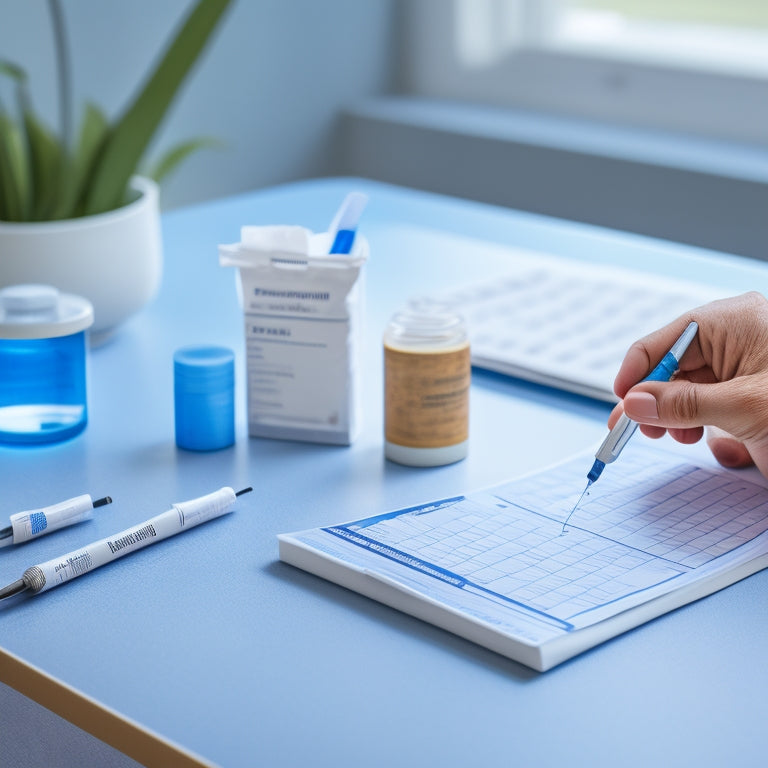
(269, 85)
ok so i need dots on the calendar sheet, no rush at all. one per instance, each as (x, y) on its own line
(503, 557)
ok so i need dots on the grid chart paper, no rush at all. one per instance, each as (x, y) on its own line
(566, 325)
(640, 528)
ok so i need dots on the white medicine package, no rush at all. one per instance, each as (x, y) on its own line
(303, 312)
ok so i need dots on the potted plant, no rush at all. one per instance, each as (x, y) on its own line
(73, 211)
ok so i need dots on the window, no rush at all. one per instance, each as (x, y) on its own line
(695, 66)
(702, 34)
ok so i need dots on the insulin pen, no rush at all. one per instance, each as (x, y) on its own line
(25, 526)
(181, 517)
(624, 428)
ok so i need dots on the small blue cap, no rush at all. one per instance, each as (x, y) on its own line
(596, 471)
(204, 397)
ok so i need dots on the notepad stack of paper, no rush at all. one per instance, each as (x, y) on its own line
(496, 568)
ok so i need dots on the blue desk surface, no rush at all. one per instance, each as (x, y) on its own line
(209, 644)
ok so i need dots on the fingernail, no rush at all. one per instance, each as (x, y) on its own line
(641, 406)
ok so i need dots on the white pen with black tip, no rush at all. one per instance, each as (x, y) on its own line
(33, 523)
(181, 517)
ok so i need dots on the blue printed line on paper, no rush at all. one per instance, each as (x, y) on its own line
(435, 571)
(420, 509)
(625, 596)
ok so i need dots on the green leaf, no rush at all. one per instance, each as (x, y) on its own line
(46, 158)
(14, 71)
(15, 164)
(14, 172)
(169, 161)
(63, 72)
(72, 185)
(128, 140)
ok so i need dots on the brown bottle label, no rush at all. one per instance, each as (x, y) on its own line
(426, 397)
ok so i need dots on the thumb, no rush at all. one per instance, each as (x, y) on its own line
(730, 405)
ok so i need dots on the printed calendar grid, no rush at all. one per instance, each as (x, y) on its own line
(507, 542)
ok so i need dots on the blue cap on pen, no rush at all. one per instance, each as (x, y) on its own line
(204, 397)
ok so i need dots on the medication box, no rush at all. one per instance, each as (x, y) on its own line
(303, 312)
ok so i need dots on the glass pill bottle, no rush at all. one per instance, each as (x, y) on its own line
(43, 349)
(427, 373)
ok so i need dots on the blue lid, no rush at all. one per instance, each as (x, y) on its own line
(204, 397)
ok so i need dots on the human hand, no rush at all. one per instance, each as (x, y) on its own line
(722, 382)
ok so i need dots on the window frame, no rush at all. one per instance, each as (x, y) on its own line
(727, 105)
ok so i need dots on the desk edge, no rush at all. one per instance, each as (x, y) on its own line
(102, 722)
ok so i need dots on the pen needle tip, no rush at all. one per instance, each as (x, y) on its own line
(101, 502)
(245, 490)
(578, 501)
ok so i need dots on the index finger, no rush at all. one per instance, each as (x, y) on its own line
(646, 353)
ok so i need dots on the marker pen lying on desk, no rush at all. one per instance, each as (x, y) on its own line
(624, 428)
(181, 517)
(344, 224)
(37, 522)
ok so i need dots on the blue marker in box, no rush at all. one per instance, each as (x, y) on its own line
(344, 225)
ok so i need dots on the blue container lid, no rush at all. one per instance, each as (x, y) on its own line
(204, 382)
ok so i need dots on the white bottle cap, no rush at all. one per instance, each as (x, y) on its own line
(41, 312)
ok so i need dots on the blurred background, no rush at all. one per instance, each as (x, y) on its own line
(649, 116)
(645, 115)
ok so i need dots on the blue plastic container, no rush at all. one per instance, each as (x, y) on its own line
(204, 397)
(43, 347)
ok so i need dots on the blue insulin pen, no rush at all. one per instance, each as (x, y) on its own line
(624, 428)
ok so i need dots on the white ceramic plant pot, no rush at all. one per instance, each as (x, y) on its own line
(114, 259)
